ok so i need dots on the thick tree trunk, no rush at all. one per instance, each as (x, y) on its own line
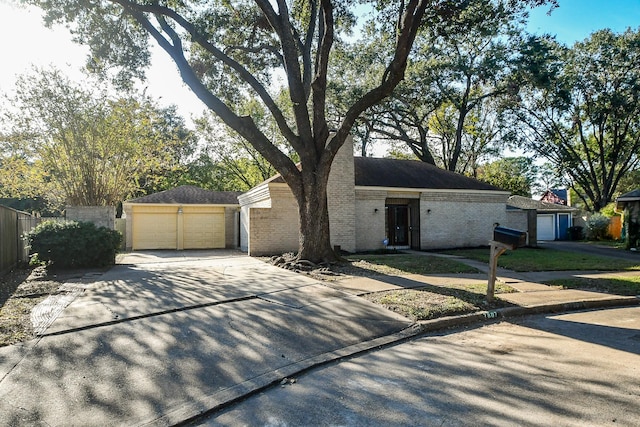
(315, 240)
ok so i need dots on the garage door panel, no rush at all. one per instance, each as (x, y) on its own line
(154, 230)
(163, 227)
(204, 230)
(545, 227)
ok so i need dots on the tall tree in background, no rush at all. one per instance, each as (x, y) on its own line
(459, 70)
(87, 148)
(476, 60)
(235, 165)
(585, 119)
(515, 174)
(226, 50)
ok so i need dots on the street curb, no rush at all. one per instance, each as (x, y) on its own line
(183, 414)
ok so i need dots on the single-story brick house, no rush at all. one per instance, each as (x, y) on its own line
(185, 217)
(405, 203)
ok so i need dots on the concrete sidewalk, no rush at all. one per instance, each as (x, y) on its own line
(158, 339)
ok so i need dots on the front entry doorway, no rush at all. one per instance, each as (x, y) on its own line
(398, 225)
(403, 222)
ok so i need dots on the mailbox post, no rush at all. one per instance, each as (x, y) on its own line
(503, 239)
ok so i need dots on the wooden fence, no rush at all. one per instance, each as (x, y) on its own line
(13, 247)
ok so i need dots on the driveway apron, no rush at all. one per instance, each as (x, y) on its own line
(159, 332)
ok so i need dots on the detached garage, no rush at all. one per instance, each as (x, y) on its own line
(185, 217)
(553, 220)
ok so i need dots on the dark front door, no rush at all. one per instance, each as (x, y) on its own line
(398, 223)
(414, 218)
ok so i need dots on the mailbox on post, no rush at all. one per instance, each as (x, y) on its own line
(503, 238)
(510, 237)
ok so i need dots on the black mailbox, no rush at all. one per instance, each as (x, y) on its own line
(509, 236)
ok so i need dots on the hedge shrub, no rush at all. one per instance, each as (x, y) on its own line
(74, 244)
(598, 226)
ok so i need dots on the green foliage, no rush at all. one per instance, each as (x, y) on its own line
(629, 182)
(598, 226)
(81, 145)
(515, 174)
(632, 224)
(465, 61)
(228, 162)
(584, 117)
(73, 244)
(279, 53)
(609, 210)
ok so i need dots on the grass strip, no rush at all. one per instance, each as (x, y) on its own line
(544, 259)
(430, 302)
(621, 285)
(409, 264)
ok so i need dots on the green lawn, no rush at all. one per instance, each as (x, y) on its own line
(398, 264)
(530, 259)
(612, 285)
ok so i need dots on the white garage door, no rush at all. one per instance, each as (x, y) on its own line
(155, 227)
(203, 227)
(163, 227)
(546, 227)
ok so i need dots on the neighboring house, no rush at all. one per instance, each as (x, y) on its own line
(630, 204)
(556, 196)
(552, 220)
(185, 217)
(405, 203)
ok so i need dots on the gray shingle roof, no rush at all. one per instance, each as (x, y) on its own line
(190, 195)
(527, 203)
(630, 196)
(376, 172)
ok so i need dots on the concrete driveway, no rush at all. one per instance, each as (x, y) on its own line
(164, 335)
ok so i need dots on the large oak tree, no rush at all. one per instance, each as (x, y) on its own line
(226, 50)
(584, 118)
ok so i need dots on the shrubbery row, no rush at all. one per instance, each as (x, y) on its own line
(73, 244)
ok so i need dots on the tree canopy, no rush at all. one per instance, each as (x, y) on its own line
(515, 174)
(226, 51)
(446, 108)
(82, 146)
(584, 118)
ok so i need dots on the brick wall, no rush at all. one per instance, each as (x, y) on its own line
(370, 226)
(101, 216)
(269, 219)
(231, 227)
(271, 230)
(341, 199)
(459, 219)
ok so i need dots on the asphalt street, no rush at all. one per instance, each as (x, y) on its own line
(577, 369)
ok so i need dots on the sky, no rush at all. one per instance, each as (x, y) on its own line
(24, 42)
